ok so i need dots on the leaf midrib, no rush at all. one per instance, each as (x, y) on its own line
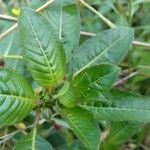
(101, 77)
(112, 108)
(77, 129)
(9, 45)
(33, 139)
(49, 67)
(61, 20)
(17, 97)
(121, 131)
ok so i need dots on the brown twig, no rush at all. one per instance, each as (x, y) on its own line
(5, 133)
(142, 44)
(104, 135)
(37, 117)
(121, 81)
(9, 18)
(44, 6)
(10, 135)
(8, 31)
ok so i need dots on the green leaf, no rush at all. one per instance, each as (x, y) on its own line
(43, 52)
(33, 141)
(99, 77)
(16, 97)
(108, 146)
(64, 16)
(67, 95)
(109, 46)
(122, 106)
(83, 125)
(120, 132)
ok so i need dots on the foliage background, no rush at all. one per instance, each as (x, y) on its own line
(135, 70)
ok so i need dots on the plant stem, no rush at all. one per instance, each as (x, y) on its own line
(129, 57)
(8, 31)
(14, 27)
(5, 138)
(107, 21)
(119, 6)
(44, 6)
(143, 67)
(121, 81)
(5, 133)
(8, 18)
(37, 117)
(10, 135)
(58, 95)
(130, 12)
(142, 44)
(87, 33)
(11, 57)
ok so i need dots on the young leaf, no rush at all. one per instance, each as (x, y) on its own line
(124, 106)
(110, 46)
(68, 97)
(33, 141)
(83, 125)
(108, 146)
(99, 77)
(16, 97)
(43, 51)
(120, 132)
(64, 16)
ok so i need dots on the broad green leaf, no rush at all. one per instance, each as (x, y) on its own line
(87, 85)
(94, 79)
(33, 141)
(122, 106)
(16, 97)
(64, 16)
(120, 132)
(109, 46)
(43, 52)
(83, 125)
